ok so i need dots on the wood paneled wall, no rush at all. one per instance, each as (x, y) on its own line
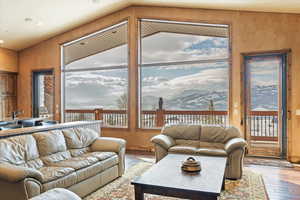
(250, 32)
(8, 60)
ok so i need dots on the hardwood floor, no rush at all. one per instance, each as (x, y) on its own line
(282, 183)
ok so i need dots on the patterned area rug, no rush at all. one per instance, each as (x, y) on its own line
(267, 162)
(250, 187)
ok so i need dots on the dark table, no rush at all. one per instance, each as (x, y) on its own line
(167, 179)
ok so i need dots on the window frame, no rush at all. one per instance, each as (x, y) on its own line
(229, 61)
(122, 22)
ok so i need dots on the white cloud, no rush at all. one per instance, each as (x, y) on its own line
(75, 79)
(210, 79)
(154, 80)
(166, 47)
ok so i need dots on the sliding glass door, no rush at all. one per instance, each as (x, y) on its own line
(266, 114)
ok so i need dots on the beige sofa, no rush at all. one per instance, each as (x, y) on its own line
(73, 158)
(203, 140)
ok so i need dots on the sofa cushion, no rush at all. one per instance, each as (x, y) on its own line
(89, 171)
(63, 182)
(100, 155)
(56, 157)
(213, 145)
(36, 163)
(105, 160)
(218, 134)
(187, 132)
(211, 152)
(109, 162)
(50, 142)
(79, 137)
(183, 149)
(53, 173)
(75, 162)
(18, 150)
(79, 152)
(194, 143)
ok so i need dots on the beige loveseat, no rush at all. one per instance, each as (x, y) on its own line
(203, 140)
(73, 158)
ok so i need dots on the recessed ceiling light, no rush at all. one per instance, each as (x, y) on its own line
(28, 19)
(114, 32)
(1, 41)
(82, 43)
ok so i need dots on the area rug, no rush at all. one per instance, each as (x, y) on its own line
(267, 162)
(250, 187)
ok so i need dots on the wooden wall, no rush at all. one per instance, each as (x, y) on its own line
(8, 60)
(250, 31)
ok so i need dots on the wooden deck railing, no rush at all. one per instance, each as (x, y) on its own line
(150, 118)
(111, 118)
(263, 124)
(158, 118)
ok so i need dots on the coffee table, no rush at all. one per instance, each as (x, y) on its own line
(167, 179)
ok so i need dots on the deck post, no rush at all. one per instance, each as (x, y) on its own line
(98, 114)
(160, 118)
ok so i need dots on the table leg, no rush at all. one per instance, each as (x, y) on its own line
(138, 192)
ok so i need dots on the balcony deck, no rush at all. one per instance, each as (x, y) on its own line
(263, 124)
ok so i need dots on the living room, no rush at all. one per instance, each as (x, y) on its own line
(127, 68)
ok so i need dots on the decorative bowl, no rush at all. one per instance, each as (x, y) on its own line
(191, 165)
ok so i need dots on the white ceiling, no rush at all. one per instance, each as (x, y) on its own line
(57, 16)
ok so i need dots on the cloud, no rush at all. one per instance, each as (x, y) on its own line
(266, 63)
(153, 80)
(93, 90)
(75, 79)
(166, 47)
(210, 79)
(269, 82)
(191, 66)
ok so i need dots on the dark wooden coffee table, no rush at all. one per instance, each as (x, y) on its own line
(166, 178)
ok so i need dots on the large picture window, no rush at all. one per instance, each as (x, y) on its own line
(96, 77)
(184, 73)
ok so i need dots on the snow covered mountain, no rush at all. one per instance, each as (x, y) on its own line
(264, 98)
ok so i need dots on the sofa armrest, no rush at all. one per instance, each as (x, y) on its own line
(13, 173)
(112, 145)
(108, 144)
(234, 144)
(163, 140)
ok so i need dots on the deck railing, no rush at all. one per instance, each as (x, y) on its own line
(263, 124)
(158, 118)
(149, 118)
(110, 118)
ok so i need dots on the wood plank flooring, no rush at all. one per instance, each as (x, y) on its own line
(282, 183)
